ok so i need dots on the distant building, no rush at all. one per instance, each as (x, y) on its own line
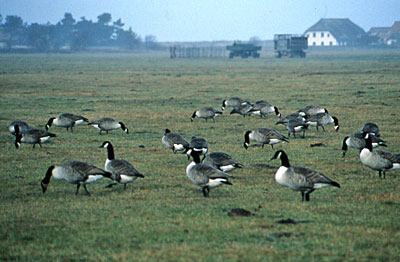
(386, 35)
(335, 32)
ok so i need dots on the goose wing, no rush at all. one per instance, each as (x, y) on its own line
(122, 167)
(312, 178)
(85, 169)
(394, 158)
(210, 172)
(269, 133)
(220, 159)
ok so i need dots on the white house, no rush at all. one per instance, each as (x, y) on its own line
(334, 32)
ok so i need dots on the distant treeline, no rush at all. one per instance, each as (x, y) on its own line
(68, 34)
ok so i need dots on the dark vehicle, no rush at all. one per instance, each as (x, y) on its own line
(290, 45)
(243, 50)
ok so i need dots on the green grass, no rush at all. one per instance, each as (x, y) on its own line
(163, 217)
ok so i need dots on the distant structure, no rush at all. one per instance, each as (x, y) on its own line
(386, 35)
(290, 45)
(335, 32)
(179, 51)
(244, 50)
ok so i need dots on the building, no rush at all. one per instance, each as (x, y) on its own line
(386, 35)
(335, 32)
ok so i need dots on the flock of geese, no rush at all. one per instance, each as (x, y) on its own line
(212, 170)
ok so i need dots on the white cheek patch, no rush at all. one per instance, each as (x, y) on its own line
(96, 126)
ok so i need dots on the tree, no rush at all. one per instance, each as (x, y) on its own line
(14, 27)
(150, 42)
(128, 39)
(104, 19)
(41, 37)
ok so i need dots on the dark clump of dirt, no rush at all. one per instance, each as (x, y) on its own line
(317, 144)
(291, 221)
(239, 212)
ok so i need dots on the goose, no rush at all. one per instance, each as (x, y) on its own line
(357, 141)
(74, 172)
(263, 108)
(233, 102)
(66, 120)
(205, 176)
(285, 119)
(311, 110)
(122, 171)
(264, 135)
(108, 124)
(300, 178)
(243, 109)
(221, 161)
(296, 125)
(371, 128)
(322, 119)
(23, 127)
(199, 145)
(31, 136)
(206, 113)
(378, 160)
(174, 141)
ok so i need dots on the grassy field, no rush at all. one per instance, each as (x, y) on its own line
(164, 217)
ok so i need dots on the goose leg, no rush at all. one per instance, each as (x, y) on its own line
(304, 133)
(323, 128)
(124, 186)
(77, 188)
(308, 194)
(302, 196)
(205, 191)
(87, 192)
(384, 174)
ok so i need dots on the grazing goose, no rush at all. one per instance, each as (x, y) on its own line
(205, 176)
(264, 135)
(74, 172)
(108, 124)
(322, 119)
(300, 178)
(206, 113)
(243, 109)
(311, 110)
(357, 141)
(199, 145)
(175, 141)
(378, 160)
(263, 108)
(285, 119)
(122, 171)
(371, 128)
(66, 120)
(233, 102)
(296, 125)
(23, 127)
(221, 161)
(31, 136)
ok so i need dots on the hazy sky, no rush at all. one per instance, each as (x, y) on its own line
(196, 20)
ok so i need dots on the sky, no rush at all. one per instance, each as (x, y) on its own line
(209, 20)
